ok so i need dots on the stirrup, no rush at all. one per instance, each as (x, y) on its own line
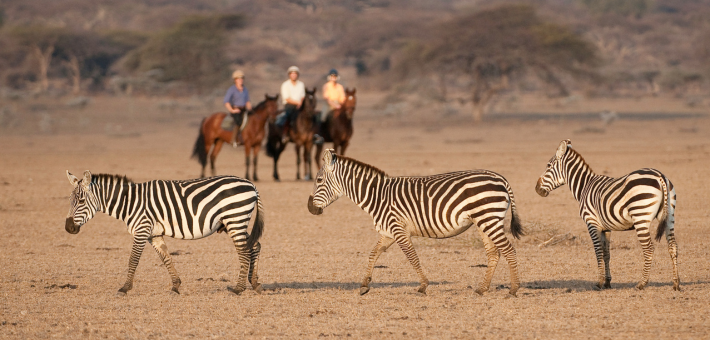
(318, 140)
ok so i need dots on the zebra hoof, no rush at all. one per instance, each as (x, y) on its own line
(235, 290)
(640, 286)
(480, 291)
(597, 287)
(364, 290)
(422, 290)
(120, 293)
(175, 291)
(258, 289)
(511, 295)
(676, 288)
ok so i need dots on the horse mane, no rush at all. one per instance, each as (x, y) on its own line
(361, 164)
(117, 178)
(258, 107)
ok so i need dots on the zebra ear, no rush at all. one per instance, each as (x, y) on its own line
(562, 149)
(87, 178)
(328, 158)
(72, 179)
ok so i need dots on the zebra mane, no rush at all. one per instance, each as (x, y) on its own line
(584, 162)
(111, 177)
(361, 164)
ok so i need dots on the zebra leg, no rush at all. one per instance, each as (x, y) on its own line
(382, 244)
(496, 232)
(162, 249)
(138, 245)
(672, 245)
(253, 268)
(493, 256)
(238, 233)
(606, 240)
(644, 236)
(405, 243)
(595, 235)
(213, 156)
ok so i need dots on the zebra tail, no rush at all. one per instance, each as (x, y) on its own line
(199, 149)
(515, 227)
(258, 228)
(663, 214)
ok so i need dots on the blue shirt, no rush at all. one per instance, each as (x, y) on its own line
(235, 97)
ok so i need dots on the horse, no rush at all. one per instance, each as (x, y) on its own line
(338, 127)
(301, 135)
(212, 136)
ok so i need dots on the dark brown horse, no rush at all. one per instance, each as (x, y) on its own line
(301, 135)
(338, 126)
(212, 136)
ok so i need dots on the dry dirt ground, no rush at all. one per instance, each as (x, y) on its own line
(53, 284)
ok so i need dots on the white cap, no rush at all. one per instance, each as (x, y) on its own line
(293, 69)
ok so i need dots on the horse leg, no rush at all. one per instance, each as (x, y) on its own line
(307, 161)
(298, 161)
(256, 156)
(277, 154)
(247, 151)
(343, 146)
(213, 156)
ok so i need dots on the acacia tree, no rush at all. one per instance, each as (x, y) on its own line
(492, 44)
(41, 41)
(192, 50)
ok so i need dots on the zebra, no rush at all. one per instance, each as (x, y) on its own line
(189, 209)
(614, 204)
(438, 206)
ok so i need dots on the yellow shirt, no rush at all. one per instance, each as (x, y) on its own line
(333, 93)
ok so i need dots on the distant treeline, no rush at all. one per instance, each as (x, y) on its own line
(598, 46)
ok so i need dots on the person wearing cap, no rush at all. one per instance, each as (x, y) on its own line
(333, 92)
(237, 102)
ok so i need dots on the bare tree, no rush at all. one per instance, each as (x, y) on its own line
(41, 41)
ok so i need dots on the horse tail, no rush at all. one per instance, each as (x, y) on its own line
(199, 149)
(258, 227)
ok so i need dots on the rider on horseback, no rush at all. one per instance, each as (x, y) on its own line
(237, 103)
(333, 92)
(292, 93)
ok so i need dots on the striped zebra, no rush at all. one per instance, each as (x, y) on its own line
(189, 210)
(437, 206)
(613, 204)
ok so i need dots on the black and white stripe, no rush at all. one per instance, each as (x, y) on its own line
(608, 204)
(438, 206)
(189, 209)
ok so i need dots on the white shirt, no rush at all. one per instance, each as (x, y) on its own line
(292, 91)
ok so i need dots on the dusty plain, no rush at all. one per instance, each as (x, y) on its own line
(53, 284)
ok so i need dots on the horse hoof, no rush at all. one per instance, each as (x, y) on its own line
(364, 290)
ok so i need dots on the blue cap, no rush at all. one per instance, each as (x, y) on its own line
(333, 72)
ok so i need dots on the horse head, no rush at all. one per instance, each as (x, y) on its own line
(271, 107)
(309, 102)
(350, 101)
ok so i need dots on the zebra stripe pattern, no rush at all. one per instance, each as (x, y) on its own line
(613, 204)
(438, 206)
(189, 210)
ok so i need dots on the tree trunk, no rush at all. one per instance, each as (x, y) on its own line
(483, 93)
(76, 74)
(44, 58)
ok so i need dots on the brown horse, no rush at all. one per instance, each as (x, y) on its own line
(338, 127)
(212, 136)
(301, 135)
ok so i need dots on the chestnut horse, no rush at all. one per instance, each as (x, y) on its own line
(338, 127)
(212, 136)
(301, 135)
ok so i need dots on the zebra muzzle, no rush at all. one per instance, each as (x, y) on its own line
(538, 188)
(70, 226)
(312, 208)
